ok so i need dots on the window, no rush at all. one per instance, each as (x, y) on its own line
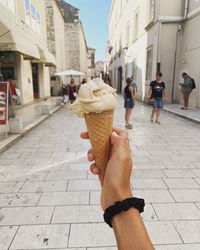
(151, 10)
(136, 25)
(38, 21)
(10, 4)
(149, 64)
(32, 16)
(27, 12)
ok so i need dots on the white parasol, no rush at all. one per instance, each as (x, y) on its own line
(70, 72)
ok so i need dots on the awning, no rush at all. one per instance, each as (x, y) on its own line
(46, 57)
(12, 38)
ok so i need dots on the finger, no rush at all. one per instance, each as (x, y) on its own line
(114, 137)
(84, 135)
(94, 169)
(121, 132)
(90, 155)
(117, 130)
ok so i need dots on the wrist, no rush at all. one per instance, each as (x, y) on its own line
(123, 206)
(113, 197)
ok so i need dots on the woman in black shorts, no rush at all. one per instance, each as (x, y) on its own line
(129, 101)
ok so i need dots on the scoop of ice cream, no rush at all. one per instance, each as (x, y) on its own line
(94, 97)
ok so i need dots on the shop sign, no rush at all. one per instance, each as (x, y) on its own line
(5, 47)
(4, 90)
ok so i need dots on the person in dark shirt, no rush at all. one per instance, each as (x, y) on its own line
(129, 101)
(72, 91)
(156, 92)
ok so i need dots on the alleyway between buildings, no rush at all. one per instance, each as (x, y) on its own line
(49, 200)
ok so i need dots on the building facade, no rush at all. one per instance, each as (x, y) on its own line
(188, 51)
(127, 22)
(100, 69)
(24, 56)
(91, 63)
(159, 36)
(56, 41)
(76, 51)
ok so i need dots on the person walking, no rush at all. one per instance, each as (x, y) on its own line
(186, 89)
(72, 91)
(13, 91)
(84, 81)
(156, 92)
(133, 83)
(129, 102)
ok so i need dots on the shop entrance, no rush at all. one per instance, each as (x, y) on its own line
(7, 65)
(36, 89)
(119, 80)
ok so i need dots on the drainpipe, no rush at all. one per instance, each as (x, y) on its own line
(175, 59)
(176, 47)
(186, 9)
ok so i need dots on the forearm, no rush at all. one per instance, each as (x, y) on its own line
(150, 92)
(130, 222)
(165, 94)
(133, 97)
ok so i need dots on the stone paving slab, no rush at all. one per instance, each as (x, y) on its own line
(179, 247)
(181, 173)
(10, 187)
(67, 175)
(104, 248)
(188, 230)
(43, 186)
(181, 183)
(177, 211)
(162, 232)
(25, 215)
(186, 195)
(64, 198)
(148, 184)
(6, 236)
(41, 237)
(75, 185)
(78, 214)
(91, 235)
(25, 176)
(19, 200)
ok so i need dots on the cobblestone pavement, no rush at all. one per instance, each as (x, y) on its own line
(49, 200)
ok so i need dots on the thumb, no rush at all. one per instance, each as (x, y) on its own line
(114, 137)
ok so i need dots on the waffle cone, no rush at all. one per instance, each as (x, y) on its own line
(99, 129)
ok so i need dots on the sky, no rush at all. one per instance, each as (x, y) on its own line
(94, 16)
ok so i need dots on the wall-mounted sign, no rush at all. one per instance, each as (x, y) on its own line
(4, 91)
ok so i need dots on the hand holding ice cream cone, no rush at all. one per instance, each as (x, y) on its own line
(96, 103)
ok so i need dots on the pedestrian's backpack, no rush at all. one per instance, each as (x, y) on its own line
(193, 83)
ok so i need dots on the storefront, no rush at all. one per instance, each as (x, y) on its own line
(25, 60)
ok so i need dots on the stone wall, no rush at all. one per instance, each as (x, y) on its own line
(72, 46)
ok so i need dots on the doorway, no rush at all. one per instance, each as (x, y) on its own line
(119, 80)
(36, 89)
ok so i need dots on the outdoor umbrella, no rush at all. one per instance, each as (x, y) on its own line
(70, 72)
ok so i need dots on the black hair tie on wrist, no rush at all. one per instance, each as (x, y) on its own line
(123, 206)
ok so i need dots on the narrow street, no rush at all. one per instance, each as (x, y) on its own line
(49, 200)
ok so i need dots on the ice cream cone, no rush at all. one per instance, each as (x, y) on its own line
(99, 127)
